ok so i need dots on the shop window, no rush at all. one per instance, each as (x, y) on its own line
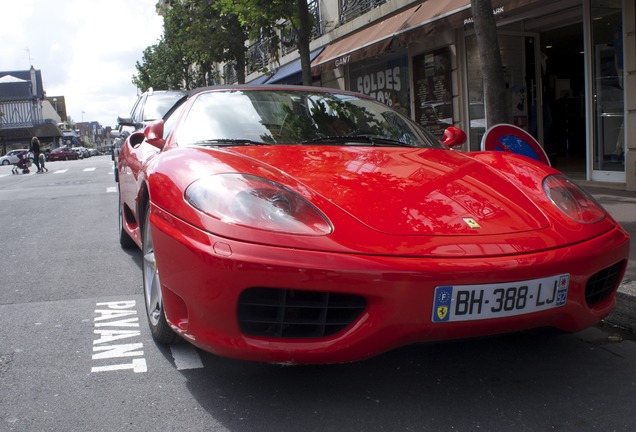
(517, 55)
(607, 37)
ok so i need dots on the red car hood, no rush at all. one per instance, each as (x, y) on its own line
(400, 191)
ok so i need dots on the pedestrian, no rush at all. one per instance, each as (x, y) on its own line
(35, 149)
(43, 163)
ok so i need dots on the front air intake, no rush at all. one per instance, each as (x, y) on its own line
(285, 313)
(601, 284)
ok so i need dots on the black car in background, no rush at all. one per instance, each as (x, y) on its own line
(150, 105)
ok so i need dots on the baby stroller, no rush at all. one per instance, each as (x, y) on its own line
(25, 160)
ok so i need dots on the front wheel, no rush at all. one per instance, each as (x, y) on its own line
(161, 331)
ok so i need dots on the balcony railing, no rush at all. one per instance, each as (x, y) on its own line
(316, 31)
(257, 56)
(351, 9)
(229, 72)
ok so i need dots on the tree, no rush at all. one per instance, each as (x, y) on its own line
(269, 20)
(161, 68)
(197, 35)
(214, 35)
(200, 33)
(304, 37)
(492, 67)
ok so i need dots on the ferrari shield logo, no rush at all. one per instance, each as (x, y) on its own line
(441, 303)
(472, 223)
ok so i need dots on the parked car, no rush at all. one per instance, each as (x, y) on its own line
(11, 158)
(63, 153)
(120, 137)
(150, 106)
(93, 152)
(308, 225)
(80, 155)
(82, 152)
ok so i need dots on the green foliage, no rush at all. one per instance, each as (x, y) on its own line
(268, 20)
(197, 34)
(157, 68)
(200, 33)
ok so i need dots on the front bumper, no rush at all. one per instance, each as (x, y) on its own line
(203, 277)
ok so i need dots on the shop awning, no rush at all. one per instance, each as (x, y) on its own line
(377, 38)
(410, 25)
(260, 80)
(291, 73)
(434, 17)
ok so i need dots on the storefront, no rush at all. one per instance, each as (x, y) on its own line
(565, 70)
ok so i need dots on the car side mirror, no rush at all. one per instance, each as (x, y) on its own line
(154, 134)
(125, 120)
(453, 137)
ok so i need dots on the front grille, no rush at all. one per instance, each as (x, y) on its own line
(284, 313)
(601, 285)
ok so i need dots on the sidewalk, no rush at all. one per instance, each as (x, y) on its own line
(622, 206)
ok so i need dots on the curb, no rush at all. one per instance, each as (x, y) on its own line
(624, 314)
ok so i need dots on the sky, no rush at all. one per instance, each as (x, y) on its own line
(85, 49)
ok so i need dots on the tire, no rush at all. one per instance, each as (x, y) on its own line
(161, 331)
(5, 162)
(125, 241)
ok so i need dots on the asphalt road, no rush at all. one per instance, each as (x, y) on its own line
(76, 353)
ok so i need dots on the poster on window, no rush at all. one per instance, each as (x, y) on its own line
(433, 90)
(385, 81)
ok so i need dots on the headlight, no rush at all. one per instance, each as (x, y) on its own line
(572, 200)
(255, 202)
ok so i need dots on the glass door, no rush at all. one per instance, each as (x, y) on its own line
(608, 148)
(519, 53)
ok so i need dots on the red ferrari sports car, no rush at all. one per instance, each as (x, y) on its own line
(306, 225)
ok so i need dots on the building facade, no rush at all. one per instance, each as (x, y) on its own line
(24, 111)
(570, 71)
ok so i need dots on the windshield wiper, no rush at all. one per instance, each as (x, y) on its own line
(366, 139)
(230, 141)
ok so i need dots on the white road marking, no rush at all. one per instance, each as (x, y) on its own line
(111, 326)
(186, 356)
(60, 171)
(112, 189)
(136, 365)
(89, 169)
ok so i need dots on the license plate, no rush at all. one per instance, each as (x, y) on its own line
(476, 302)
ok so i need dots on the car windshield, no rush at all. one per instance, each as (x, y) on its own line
(158, 104)
(265, 117)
